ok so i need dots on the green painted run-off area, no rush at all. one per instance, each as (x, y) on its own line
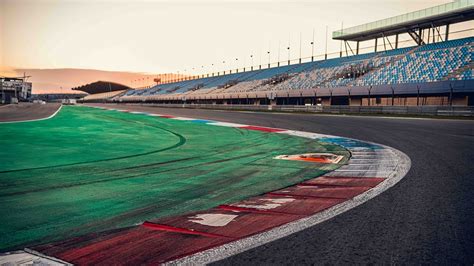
(89, 170)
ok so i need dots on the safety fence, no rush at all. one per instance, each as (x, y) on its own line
(459, 111)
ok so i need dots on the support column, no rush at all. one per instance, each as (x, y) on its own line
(446, 36)
(434, 35)
(357, 48)
(421, 37)
(375, 44)
(396, 41)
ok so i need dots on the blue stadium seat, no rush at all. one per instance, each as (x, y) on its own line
(450, 60)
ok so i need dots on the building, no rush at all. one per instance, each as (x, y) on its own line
(14, 89)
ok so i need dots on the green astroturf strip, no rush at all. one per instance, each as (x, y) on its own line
(88, 170)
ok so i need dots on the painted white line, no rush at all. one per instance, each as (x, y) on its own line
(183, 118)
(34, 120)
(370, 153)
(370, 164)
(225, 124)
(29, 257)
(303, 134)
(367, 159)
(356, 170)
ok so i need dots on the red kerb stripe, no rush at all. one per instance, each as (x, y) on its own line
(264, 129)
(253, 210)
(169, 228)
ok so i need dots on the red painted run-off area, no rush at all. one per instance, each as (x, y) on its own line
(166, 239)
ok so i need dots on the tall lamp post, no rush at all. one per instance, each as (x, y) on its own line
(288, 48)
(268, 52)
(300, 48)
(312, 48)
(326, 47)
(278, 57)
(251, 58)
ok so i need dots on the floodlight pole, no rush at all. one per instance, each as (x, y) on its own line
(342, 33)
(312, 48)
(278, 57)
(300, 47)
(288, 48)
(268, 59)
(326, 48)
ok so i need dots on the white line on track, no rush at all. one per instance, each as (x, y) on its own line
(33, 120)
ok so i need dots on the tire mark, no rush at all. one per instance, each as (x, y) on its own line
(181, 142)
(126, 177)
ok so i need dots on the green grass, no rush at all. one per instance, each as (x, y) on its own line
(88, 170)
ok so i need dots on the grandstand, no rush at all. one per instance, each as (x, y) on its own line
(103, 96)
(101, 91)
(434, 71)
(433, 68)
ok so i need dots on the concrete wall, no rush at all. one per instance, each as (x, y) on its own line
(399, 110)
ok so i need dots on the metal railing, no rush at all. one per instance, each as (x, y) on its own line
(426, 110)
(412, 16)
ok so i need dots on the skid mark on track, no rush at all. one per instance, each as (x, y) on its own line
(129, 177)
(181, 142)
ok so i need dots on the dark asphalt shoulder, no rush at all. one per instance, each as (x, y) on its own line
(27, 111)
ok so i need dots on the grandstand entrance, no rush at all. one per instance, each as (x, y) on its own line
(340, 100)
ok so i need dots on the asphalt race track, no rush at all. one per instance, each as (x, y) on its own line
(27, 111)
(427, 217)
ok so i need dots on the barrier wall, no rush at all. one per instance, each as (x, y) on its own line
(398, 110)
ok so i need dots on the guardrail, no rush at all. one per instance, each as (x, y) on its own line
(340, 109)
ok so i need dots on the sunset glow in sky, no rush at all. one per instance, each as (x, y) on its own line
(176, 36)
(170, 36)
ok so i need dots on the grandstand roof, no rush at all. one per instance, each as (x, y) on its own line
(454, 12)
(101, 86)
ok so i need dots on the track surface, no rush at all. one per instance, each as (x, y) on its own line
(27, 111)
(426, 218)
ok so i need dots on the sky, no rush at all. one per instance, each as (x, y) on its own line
(176, 36)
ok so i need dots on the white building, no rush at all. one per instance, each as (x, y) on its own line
(11, 88)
